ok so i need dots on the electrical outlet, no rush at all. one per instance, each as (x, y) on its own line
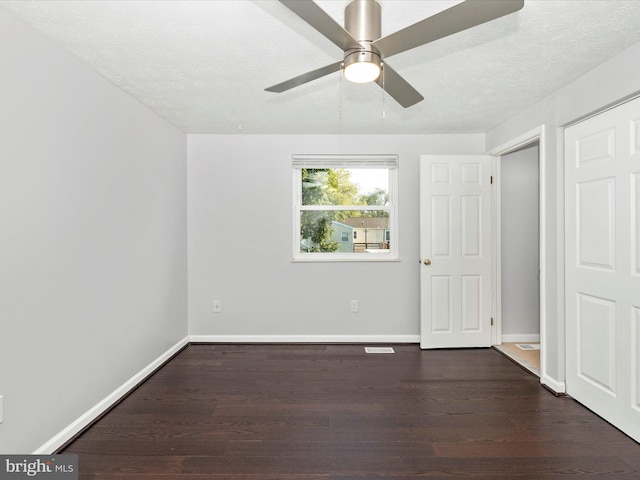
(217, 306)
(354, 306)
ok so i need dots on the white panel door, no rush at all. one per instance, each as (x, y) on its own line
(602, 156)
(455, 247)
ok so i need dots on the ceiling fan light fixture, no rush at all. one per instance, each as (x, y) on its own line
(362, 66)
(362, 42)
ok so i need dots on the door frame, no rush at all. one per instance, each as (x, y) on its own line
(536, 135)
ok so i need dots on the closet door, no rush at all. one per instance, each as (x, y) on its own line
(602, 251)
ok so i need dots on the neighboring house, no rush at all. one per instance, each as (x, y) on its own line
(369, 232)
(343, 234)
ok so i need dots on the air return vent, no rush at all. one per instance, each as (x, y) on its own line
(379, 350)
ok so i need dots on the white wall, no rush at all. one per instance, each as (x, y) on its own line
(519, 244)
(92, 237)
(608, 83)
(242, 184)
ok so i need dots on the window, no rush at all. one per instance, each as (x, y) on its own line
(345, 207)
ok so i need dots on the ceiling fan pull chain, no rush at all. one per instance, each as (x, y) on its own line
(341, 75)
(384, 112)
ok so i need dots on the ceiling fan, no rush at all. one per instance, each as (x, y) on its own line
(365, 53)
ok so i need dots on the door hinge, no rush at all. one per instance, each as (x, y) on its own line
(492, 321)
(491, 179)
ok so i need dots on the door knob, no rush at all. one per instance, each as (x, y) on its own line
(427, 261)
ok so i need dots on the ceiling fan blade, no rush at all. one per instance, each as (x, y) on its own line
(455, 19)
(398, 87)
(305, 77)
(311, 13)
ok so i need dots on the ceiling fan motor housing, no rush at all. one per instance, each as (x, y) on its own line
(363, 20)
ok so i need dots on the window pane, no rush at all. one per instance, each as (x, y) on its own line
(325, 231)
(345, 186)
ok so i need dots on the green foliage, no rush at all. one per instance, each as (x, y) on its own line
(324, 186)
(377, 197)
(315, 226)
(316, 229)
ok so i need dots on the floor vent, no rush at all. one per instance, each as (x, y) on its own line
(379, 350)
(528, 346)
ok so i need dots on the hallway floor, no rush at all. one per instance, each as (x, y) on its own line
(520, 352)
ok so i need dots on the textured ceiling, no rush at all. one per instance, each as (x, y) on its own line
(203, 65)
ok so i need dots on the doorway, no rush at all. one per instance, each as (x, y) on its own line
(519, 227)
(534, 137)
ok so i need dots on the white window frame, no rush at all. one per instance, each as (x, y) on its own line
(346, 161)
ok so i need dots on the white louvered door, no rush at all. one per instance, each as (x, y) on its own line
(602, 252)
(455, 237)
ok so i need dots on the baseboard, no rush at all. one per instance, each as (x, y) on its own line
(557, 387)
(521, 338)
(304, 338)
(95, 412)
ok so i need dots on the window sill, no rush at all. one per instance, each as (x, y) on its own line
(361, 257)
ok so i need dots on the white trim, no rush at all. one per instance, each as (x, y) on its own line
(609, 106)
(93, 413)
(296, 179)
(345, 161)
(390, 162)
(383, 256)
(304, 339)
(347, 208)
(535, 135)
(553, 384)
(521, 338)
(532, 136)
(496, 242)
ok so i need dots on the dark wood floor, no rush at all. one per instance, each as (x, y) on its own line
(332, 412)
